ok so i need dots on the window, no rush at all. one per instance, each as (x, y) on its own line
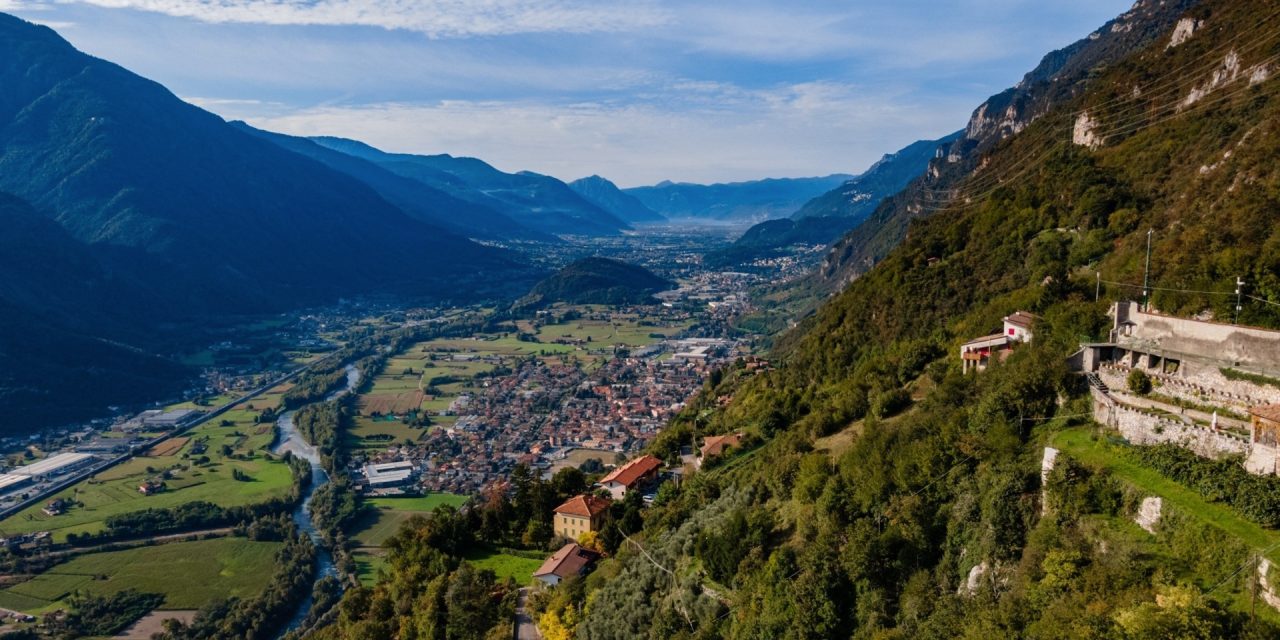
(1012, 331)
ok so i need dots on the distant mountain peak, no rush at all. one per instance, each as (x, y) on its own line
(605, 194)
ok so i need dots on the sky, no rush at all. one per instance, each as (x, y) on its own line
(638, 91)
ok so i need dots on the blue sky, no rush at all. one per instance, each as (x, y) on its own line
(636, 90)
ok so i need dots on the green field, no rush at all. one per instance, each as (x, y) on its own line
(384, 516)
(382, 520)
(188, 574)
(115, 491)
(1079, 443)
(367, 567)
(508, 564)
(373, 433)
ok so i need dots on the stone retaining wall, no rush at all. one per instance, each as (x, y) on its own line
(1143, 428)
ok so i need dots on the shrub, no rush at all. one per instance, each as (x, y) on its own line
(1139, 382)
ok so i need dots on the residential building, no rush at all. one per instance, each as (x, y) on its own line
(713, 446)
(631, 476)
(579, 515)
(571, 560)
(976, 354)
(1018, 326)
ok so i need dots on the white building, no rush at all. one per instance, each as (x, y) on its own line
(388, 474)
(55, 465)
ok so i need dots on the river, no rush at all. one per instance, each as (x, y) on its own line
(293, 442)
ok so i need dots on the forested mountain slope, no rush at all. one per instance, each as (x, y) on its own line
(138, 218)
(597, 280)
(1060, 77)
(57, 298)
(606, 195)
(117, 159)
(415, 198)
(893, 497)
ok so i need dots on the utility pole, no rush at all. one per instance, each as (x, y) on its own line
(1239, 296)
(1097, 292)
(1146, 276)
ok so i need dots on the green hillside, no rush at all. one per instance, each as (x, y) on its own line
(597, 281)
(886, 477)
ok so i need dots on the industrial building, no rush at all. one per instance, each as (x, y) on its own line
(168, 419)
(55, 465)
(388, 474)
(9, 482)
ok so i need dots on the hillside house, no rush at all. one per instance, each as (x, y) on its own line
(580, 514)
(976, 354)
(571, 560)
(634, 475)
(713, 446)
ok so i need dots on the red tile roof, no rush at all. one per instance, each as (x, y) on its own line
(569, 561)
(715, 445)
(1021, 319)
(631, 472)
(584, 506)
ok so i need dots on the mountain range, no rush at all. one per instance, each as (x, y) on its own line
(534, 200)
(828, 216)
(132, 211)
(1061, 76)
(735, 202)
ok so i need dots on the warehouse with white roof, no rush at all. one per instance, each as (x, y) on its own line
(54, 465)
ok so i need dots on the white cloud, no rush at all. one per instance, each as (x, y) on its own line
(723, 134)
(436, 18)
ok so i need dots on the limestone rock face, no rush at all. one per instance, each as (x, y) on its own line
(1083, 133)
(1148, 515)
(1183, 31)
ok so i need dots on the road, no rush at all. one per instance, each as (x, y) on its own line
(525, 628)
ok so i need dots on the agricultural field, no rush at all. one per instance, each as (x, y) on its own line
(191, 478)
(385, 515)
(188, 574)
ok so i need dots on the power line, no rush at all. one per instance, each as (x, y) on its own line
(1256, 298)
(1139, 287)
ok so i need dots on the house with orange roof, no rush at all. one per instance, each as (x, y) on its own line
(713, 446)
(579, 515)
(571, 560)
(633, 475)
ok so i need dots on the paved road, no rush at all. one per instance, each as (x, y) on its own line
(525, 628)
